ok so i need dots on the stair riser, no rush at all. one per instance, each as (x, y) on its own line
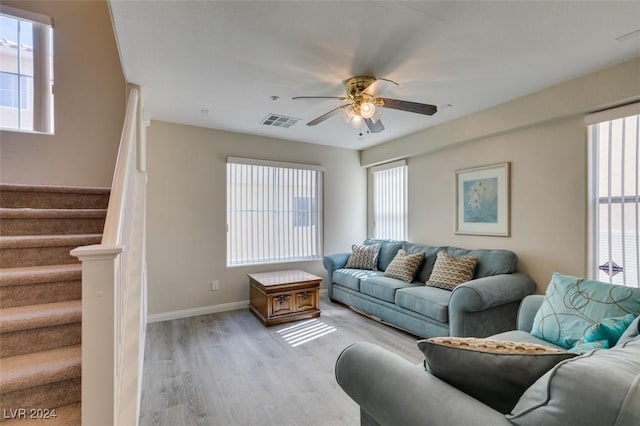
(36, 256)
(47, 200)
(33, 294)
(51, 395)
(40, 339)
(51, 226)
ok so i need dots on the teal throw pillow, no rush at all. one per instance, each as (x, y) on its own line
(572, 306)
(609, 329)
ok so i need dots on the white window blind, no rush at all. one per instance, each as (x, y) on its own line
(274, 211)
(614, 187)
(26, 71)
(390, 204)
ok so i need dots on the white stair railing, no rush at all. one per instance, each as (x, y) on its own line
(114, 288)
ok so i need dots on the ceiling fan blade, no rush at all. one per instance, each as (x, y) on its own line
(339, 98)
(325, 116)
(374, 126)
(416, 107)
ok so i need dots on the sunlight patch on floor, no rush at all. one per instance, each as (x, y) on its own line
(305, 331)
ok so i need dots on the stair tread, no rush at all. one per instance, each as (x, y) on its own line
(40, 274)
(67, 415)
(37, 316)
(10, 187)
(39, 368)
(28, 241)
(34, 213)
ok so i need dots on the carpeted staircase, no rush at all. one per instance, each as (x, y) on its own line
(40, 298)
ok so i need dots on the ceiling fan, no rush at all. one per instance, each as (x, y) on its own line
(362, 104)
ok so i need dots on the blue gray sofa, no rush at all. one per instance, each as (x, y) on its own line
(599, 388)
(486, 305)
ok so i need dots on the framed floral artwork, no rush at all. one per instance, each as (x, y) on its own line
(482, 200)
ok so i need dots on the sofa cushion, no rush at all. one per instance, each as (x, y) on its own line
(449, 271)
(428, 301)
(599, 388)
(383, 288)
(490, 262)
(350, 278)
(573, 305)
(430, 254)
(404, 266)
(388, 250)
(494, 372)
(363, 257)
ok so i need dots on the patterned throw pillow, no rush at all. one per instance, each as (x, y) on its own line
(572, 306)
(449, 272)
(363, 257)
(492, 371)
(404, 266)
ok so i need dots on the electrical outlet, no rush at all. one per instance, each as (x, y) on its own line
(215, 285)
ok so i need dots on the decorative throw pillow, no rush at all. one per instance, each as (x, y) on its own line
(494, 372)
(573, 305)
(363, 257)
(404, 266)
(449, 272)
(609, 330)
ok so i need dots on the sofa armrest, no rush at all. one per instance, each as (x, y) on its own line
(335, 261)
(527, 311)
(488, 292)
(489, 305)
(332, 263)
(393, 391)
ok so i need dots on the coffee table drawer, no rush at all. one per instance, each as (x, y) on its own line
(281, 304)
(306, 300)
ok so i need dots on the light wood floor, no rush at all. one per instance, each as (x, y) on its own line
(228, 369)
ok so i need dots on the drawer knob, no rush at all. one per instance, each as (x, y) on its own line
(283, 298)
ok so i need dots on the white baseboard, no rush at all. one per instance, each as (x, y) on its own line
(204, 310)
(193, 312)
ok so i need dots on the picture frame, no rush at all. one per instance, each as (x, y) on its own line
(482, 200)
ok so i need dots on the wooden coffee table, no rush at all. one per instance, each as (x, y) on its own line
(284, 296)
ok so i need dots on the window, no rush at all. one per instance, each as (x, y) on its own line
(274, 212)
(614, 187)
(390, 201)
(26, 71)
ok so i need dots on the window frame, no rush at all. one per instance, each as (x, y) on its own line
(399, 195)
(279, 200)
(596, 200)
(40, 90)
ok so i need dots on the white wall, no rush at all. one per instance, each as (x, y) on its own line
(89, 102)
(186, 222)
(543, 135)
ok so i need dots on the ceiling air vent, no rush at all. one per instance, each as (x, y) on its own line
(276, 120)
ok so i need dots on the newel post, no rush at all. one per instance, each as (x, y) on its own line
(100, 278)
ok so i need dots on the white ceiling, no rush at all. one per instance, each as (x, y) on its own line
(216, 64)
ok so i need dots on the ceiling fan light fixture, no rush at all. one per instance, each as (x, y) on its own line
(356, 121)
(367, 109)
(348, 113)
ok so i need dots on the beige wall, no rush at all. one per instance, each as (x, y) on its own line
(548, 196)
(186, 222)
(543, 135)
(89, 102)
